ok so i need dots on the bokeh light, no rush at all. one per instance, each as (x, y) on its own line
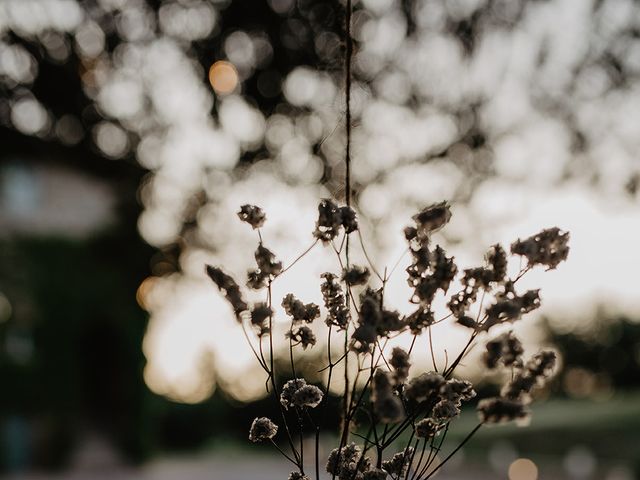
(223, 77)
(523, 469)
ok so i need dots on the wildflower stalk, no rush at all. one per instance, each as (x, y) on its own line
(392, 401)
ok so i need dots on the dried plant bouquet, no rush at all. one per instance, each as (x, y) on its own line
(399, 419)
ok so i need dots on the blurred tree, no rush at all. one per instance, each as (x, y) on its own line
(448, 94)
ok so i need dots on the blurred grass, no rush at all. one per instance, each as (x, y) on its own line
(610, 429)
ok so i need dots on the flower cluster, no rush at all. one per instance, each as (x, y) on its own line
(397, 465)
(302, 335)
(230, 288)
(253, 215)
(262, 429)
(445, 396)
(374, 321)
(386, 404)
(300, 313)
(297, 476)
(475, 279)
(509, 306)
(334, 302)
(355, 275)
(427, 402)
(348, 463)
(505, 349)
(400, 361)
(260, 315)
(533, 374)
(267, 268)
(331, 218)
(549, 248)
(516, 394)
(299, 394)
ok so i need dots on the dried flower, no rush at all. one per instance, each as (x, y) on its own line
(426, 281)
(355, 275)
(510, 307)
(501, 410)
(260, 314)
(298, 311)
(400, 362)
(374, 474)
(397, 465)
(334, 301)
(253, 215)
(457, 391)
(262, 429)
(230, 287)
(302, 335)
(549, 248)
(267, 262)
(297, 476)
(307, 396)
(426, 428)
(419, 320)
(445, 410)
(424, 386)
(347, 462)
(348, 219)
(432, 218)
(387, 406)
(534, 374)
(289, 389)
(329, 221)
(256, 279)
(497, 259)
(505, 349)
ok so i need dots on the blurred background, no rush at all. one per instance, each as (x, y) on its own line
(132, 130)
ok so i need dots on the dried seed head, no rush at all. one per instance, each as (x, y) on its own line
(505, 349)
(501, 410)
(230, 288)
(497, 260)
(297, 476)
(534, 374)
(457, 391)
(401, 364)
(432, 218)
(329, 221)
(426, 428)
(298, 311)
(256, 279)
(307, 396)
(289, 389)
(253, 215)
(374, 474)
(445, 410)
(348, 219)
(260, 314)
(267, 262)
(334, 301)
(302, 335)
(355, 275)
(424, 386)
(397, 465)
(420, 319)
(549, 247)
(346, 462)
(262, 429)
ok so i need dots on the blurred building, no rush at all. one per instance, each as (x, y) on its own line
(44, 198)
